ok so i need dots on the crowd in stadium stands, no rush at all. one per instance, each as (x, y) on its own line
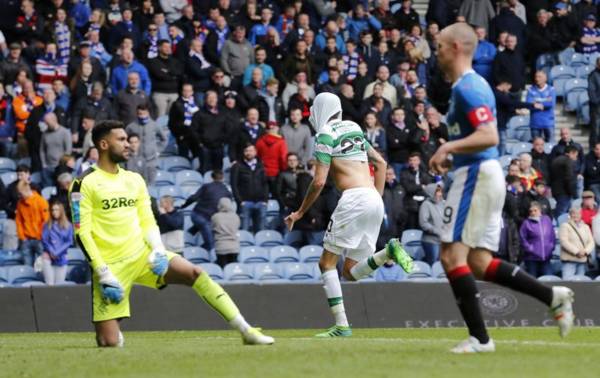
(216, 94)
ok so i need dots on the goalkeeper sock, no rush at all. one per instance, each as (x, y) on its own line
(465, 291)
(509, 275)
(215, 296)
(333, 291)
(366, 266)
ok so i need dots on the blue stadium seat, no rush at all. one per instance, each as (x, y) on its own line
(411, 241)
(272, 208)
(207, 177)
(579, 279)
(562, 218)
(311, 253)
(3, 274)
(24, 161)
(196, 255)
(214, 271)
(583, 108)
(36, 178)
(268, 238)
(566, 56)
(169, 150)
(9, 258)
(174, 163)
(48, 192)
(164, 178)
(189, 190)
(578, 60)
(246, 238)
(76, 257)
(549, 278)
(420, 270)
(283, 253)
(545, 61)
(8, 177)
(7, 165)
(21, 273)
(298, 272)
(559, 75)
(505, 161)
(196, 164)
(571, 92)
(153, 191)
(437, 270)
(293, 238)
(548, 147)
(519, 148)
(78, 273)
(188, 177)
(517, 121)
(583, 72)
(190, 240)
(266, 271)
(162, 121)
(32, 283)
(239, 272)
(253, 254)
(170, 190)
(519, 133)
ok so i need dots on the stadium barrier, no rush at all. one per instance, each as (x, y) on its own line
(406, 304)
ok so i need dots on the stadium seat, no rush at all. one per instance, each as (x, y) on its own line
(214, 271)
(239, 272)
(562, 219)
(505, 161)
(246, 238)
(311, 253)
(78, 273)
(268, 238)
(565, 56)
(572, 89)
(24, 161)
(76, 257)
(437, 270)
(420, 270)
(170, 190)
(519, 133)
(189, 190)
(272, 208)
(48, 192)
(545, 61)
(517, 121)
(548, 147)
(164, 178)
(190, 240)
(583, 108)
(298, 272)
(174, 163)
(3, 274)
(207, 177)
(519, 148)
(7, 165)
(8, 177)
(549, 278)
(169, 150)
(9, 258)
(293, 238)
(21, 273)
(188, 177)
(266, 271)
(32, 283)
(579, 279)
(153, 191)
(583, 72)
(283, 253)
(253, 254)
(578, 60)
(411, 241)
(559, 75)
(36, 178)
(196, 164)
(196, 255)
(162, 121)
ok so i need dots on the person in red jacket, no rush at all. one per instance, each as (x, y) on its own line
(272, 151)
(588, 207)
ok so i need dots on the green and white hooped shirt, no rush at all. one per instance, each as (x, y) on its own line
(341, 140)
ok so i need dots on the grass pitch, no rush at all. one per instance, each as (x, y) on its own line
(521, 352)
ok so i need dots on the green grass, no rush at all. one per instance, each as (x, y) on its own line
(521, 352)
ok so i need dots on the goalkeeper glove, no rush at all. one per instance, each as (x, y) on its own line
(110, 287)
(159, 264)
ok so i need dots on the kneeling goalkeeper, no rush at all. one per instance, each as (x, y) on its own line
(115, 228)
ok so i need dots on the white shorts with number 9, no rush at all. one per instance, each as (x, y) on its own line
(473, 212)
(355, 223)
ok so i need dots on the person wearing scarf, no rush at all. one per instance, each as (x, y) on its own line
(62, 36)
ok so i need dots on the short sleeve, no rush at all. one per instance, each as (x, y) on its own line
(324, 148)
(477, 104)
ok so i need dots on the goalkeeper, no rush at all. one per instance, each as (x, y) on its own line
(115, 228)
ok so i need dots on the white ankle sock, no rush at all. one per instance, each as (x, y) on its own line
(333, 291)
(239, 323)
(366, 266)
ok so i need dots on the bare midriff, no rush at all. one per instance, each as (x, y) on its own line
(349, 174)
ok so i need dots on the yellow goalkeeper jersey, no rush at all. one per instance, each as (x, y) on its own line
(111, 214)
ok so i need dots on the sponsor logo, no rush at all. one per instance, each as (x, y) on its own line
(498, 302)
(115, 203)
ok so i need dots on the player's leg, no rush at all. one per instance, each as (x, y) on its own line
(355, 270)
(183, 272)
(333, 292)
(558, 298)
(462, 281)
(108, 333)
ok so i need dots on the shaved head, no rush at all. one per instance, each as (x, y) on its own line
(463, 35)
(456, 46)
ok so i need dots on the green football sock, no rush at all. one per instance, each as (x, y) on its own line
(215, 296)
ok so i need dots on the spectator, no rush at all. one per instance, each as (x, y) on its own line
(564, 26)
(591, 173)
(431, 215)
(297, 136)
(81, 82)
(57, 237)
(425, 140)
(85, 142)
(360, 19)
(128, 99)
(11, 65)
(594, 96)
(250, 189)
(475, 12)
(237, 54)
(225, 225)
(12, 193)
(589, 36)
(270, 106)
(95, 105)
(564, 179)
(98, 50)
(29, 25)
(536, 194)
(207, 199)
(510, 64)
(399, 140)
(135, 162)
(389, 91)
(120, 74)
(246, 133)
(506, 105)
(272, 151)
(150, 42)
(377, 103)
(180, 122)
(233, 115)
(508, 20)
(414, 179)
(170, 223)
(537, 241)
(215, 40)
(528, 175)
(56, 142)
(63, 97)
(588, 207)
(375, 133)
(198, 69)
(49, 67)
(389, 272)
(540, 159)
(250, 93)
(165, 73)
(125, 29)
(576, 244)
(539, 36)
(485, 53)
(509, 248)
(87, 160)
(406, 16)
(31, 214)
(302, 100)
(561, 147)
(299, 61)
(351, 60)
(395, 215)
(7, 126)
(152, 141)
(23, 104)
(349, 107)
(172, 9)
(293, 87)
(583, 8)
(210, 126)
(331, 29)
(543, 99)
(287, 184)
(259, 31)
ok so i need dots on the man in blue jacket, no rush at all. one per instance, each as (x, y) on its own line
(128, 64)
(360, 20)
(543, 98)
(483, 59)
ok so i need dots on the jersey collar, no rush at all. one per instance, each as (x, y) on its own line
(462, 76)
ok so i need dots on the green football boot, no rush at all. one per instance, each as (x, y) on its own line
(336, 331)
(399, 255)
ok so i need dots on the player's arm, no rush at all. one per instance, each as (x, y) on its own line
(379, 165)
(81, 199)
(484, 136)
